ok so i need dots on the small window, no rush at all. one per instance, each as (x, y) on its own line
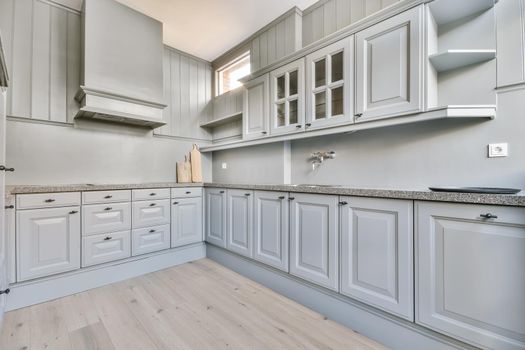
(229, 75)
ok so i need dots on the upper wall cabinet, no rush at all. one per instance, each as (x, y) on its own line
(329, 85)
(256, 104)
(389, 67)
(287, 98)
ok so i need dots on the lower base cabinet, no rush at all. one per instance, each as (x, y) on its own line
(314, 238)
(271, 229)
(240, 222)
(48, 241)
(470, 273)
(215, 208)
(186, 221)
(105, 248)
(151, 239)
(377, 253)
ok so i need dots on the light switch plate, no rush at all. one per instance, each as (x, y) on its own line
(498, 150)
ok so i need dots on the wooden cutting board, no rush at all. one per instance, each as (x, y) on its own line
(196, 166)
(184, 171)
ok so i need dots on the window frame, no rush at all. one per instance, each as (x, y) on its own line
(218, 71)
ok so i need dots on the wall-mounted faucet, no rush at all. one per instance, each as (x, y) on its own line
(317, 158)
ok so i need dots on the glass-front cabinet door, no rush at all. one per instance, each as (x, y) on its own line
(287, 98)
(329, 88)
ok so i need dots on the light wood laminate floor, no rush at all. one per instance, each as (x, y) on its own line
(199, 305)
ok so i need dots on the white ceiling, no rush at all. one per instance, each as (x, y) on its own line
(208, 28)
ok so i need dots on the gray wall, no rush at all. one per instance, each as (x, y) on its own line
(91, 152)
(417, 155)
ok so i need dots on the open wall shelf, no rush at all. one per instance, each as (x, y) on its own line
(447, 11)
(452, 59)
(223, 120)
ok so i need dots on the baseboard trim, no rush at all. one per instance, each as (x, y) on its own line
(386, 329)
(41, 290)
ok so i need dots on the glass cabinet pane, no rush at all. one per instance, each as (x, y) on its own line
(280, 87)
(293, 77)
(337, 67)
(293, 112)
(320, 105)
(281, 114)
(320, 73)
(337, 101)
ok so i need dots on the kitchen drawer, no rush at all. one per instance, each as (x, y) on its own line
(186, 192)
(151, 213)
(104, 248)
(95, 197)
(102, 218)
(151, 193)
(47, 200)
(150, 239)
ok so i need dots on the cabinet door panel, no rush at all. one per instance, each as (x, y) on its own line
(110, 217)
(389, 67)
(330, 85)
(470, 281)
(314, 242)
(186, 221)
(271, 229)
(150, 239)
(216, 216)
(48, 241)
(287, 98)
(103, 248)
(151, 213)
(240, 221)
(376, 253)
(256, 104)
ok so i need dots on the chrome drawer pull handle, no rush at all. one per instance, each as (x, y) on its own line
(175, 203)
(107, 238)
(108, 208)
(247, 194)
(108, 196)
(152, 204)
(73, 212)
(282, 197)
(488, 216)
(188, 192)
(3, 168)
(9, 207)
(151, 231)
(152, 194)
(343, 203)
(49, 200)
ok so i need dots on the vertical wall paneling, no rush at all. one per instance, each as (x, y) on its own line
(7, 9)
(280, 39)
(20, 90)
(329, 16)
(272, 44)
(73, 64)
(187, 92)
(263, 49)
(58, 66)
(255, 62)
(43, 54)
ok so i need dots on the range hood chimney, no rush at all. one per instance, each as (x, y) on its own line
(121, 76)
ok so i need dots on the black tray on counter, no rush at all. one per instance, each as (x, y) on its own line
(488, 190)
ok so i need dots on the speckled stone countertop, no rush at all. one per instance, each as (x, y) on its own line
(24, 189)
(424, 195)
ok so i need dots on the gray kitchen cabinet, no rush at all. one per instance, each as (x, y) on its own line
(389, 67)
(470, 282)
(240, 221)
(330, 85)
(150, 239)
(107, 247)
(186, 221)
(215, 210)
(376, 253)
(48, 241)
(287, 98)
(314, 243)
(271, 228)
(255, 108)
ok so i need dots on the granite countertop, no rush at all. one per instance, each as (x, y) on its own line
(425, 195)
(24, 189)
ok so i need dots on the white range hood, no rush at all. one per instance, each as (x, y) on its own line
(121, 77)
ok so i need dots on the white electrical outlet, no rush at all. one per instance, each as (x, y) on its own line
(498, 150)
(224, 165)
